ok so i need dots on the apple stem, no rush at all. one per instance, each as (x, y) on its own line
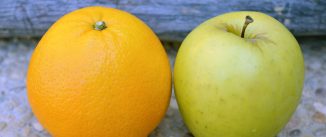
(247, 22)
(99, 25)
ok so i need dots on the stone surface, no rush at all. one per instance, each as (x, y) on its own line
(17, 120)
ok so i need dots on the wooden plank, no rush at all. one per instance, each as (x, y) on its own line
(170, 19)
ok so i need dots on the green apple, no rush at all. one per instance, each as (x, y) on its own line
(239, 74)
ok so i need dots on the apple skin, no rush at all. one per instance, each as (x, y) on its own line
(228, 86)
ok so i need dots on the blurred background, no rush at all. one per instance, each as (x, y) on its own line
(23, 22)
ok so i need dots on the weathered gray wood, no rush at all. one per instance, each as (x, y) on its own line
(170, 19)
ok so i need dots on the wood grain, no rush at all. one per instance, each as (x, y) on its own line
(170, 19)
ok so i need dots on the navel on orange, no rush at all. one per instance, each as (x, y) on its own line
(99, 72)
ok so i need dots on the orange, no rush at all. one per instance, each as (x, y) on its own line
(99, 72)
